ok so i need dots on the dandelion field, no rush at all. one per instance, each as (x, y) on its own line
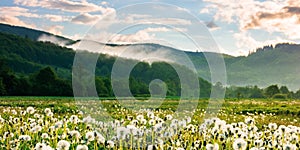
(44, 123)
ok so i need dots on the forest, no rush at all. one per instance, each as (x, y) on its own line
(32, 68)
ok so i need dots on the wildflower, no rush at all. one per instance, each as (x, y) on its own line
(23, 113)
(36, 129)
(42, 146)
(239, 144)
(63, 145)
(16, 120)
(289, 147)
(90, 136)
(45, 136)
(88, 119)
(25, 138)
(99, 138)
(139, 117)
(75, 134)
(121, 132)
(212, 147)
(294, 138)
(1, 120)
(14, 112)
(143, 121)
(36, 115)
(272, 126)
(50, 114)
(169, 117)
(58, 124)
(152, 122)
(150, 115)
(82, 147)
(7, 135)
(282, 128)
(110, 144)
(258, 143)
(47, 110)
(30, 110)
(150, 147)
(134, 122)
(73, 119)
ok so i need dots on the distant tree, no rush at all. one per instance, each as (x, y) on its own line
(46, 75)
(284, 90)
(9, 80)
(2, 88)
(271, 90)
(101, 88)
(62, 88)
(256, 92)
(297, 94)
(23, 87)
(44, 82)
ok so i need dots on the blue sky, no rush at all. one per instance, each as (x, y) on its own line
(229, 26)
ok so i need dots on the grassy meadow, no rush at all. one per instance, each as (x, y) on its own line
(63, 123)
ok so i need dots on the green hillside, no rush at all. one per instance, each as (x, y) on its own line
(44, 68)
(268, 65)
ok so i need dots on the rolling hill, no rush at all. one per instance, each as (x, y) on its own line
(268, 65)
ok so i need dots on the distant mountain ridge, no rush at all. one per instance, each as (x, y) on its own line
(28, 33)
(268, 65)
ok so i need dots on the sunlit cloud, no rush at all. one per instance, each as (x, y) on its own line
(10, 15)
(55, 29)
(86, 18)
(56, 18)
(14, 21)
(272, 16)
(246, 41)
(65, 5)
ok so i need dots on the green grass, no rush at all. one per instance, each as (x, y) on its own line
(232, 110)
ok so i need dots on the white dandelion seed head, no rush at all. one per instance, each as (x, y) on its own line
(212, 146)
(239, 144)
(90, 136)
(30, 110)
(82, 147)
(63, 145)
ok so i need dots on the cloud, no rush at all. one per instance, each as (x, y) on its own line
(52, 39)
(246, 42)
(14, 21)
(83, 7)
(159, 29)
(55, 29)
(149, 19)
(65, 5)
(141, 36)
(86, 18)
(145, 53)
(168, 21)
(17, 11)
(56, 18)
(9, 15)
(273, 16)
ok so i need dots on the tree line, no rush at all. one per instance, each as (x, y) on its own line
(45, 82)
(34, 68)
(272, 91)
